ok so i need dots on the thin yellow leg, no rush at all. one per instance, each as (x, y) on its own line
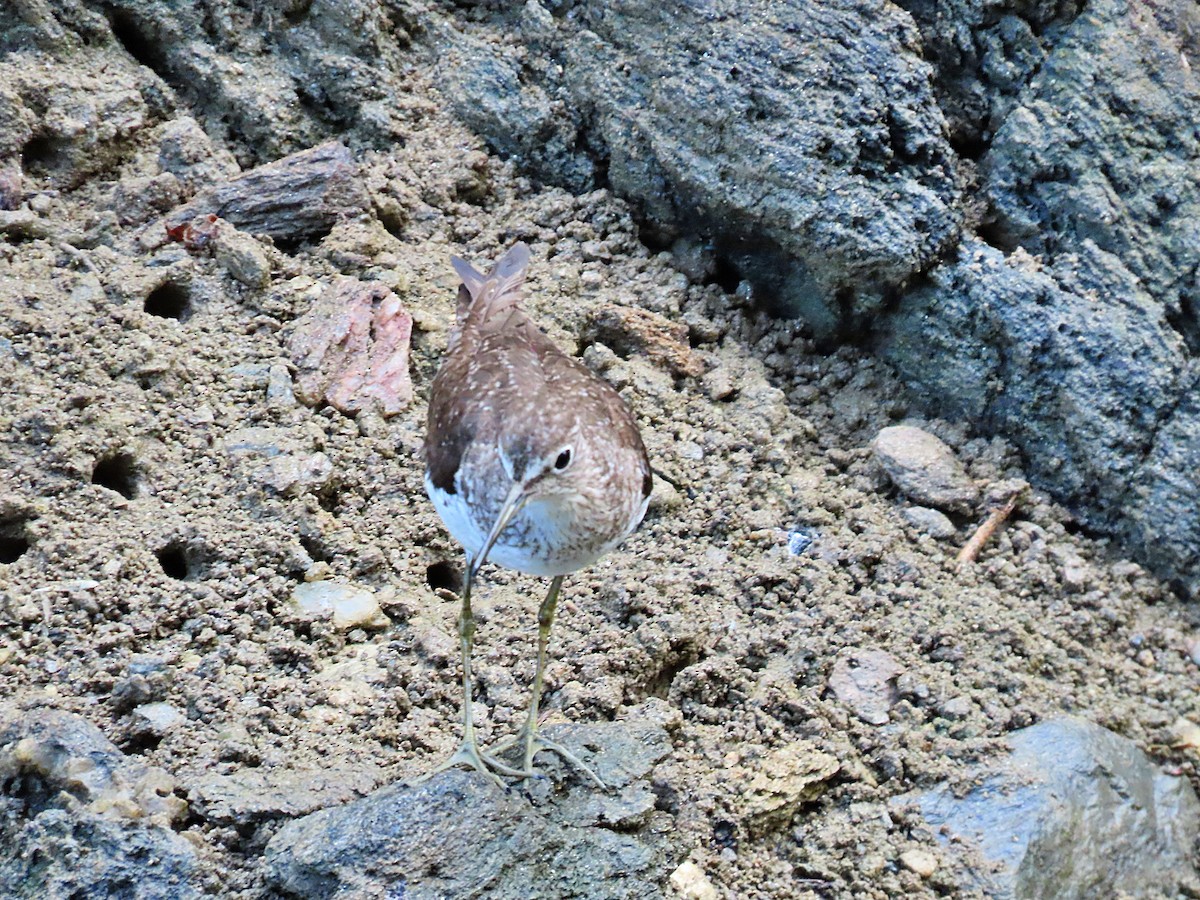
(528, 735)
(468, 753)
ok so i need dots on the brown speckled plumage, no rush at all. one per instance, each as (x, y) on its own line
(533, 462)
(505, 389)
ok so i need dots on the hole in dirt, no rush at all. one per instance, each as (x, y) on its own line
(169, 301)
(132, 34)
(13, 542)
(174, 561)
(141, 743)
(117, 472)
(40, 154)
(444, 576)
(660, 685)
(329, 498)
(725, 275)
(315, 548)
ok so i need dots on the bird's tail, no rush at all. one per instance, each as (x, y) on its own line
(483, 296)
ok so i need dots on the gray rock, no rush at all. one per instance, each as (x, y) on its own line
(1075, 812)
(156, 718)
(1078, 337)
(254, 795)
(1091, 392)
(985, 53)
(802, 140)
(458, 835)
(933, 523)
(79, 819)
(1102, 149)
(924, 469)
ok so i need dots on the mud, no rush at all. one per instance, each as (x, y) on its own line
(151, 544)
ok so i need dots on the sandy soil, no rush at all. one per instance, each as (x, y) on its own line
(166, 572)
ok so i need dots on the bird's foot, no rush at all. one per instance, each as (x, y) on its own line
(533, 745)
(468, 754)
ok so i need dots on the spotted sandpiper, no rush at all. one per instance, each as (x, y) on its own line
(533, 462)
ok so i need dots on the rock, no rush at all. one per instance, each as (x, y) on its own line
(956, 707)
(1076, 335)
(277, 457)
(156, 718)
(1074, 812)
(629, 330)
(922, 862)
(80, 819)
(691, 883)
(1081, 388)
(188, 153)
(259, 794)
(12, 189)
(70, 122)
(865, 681)
(788, 776)
(242, 256)
(297, 198)
(929, 521)
(281, 393)
(825, 192)
(1185, 734)
(73, 755)
(347, 605)
(924, 469)
(985, 56)
(294, 475)
(402, 837)
(351, 349)
(137, 200)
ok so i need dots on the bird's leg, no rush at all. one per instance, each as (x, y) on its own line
(468, 753)
(528, 735)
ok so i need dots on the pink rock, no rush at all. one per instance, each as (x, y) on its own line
(351, 349)
(864, 679)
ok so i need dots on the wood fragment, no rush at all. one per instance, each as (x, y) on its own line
(1006, 495)
(299, 197)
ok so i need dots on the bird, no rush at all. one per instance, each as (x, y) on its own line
(534, 463)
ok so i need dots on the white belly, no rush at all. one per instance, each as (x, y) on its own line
(546, 547)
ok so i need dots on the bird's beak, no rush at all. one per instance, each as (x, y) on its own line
(512, 505)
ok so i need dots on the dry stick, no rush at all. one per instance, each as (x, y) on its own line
(995, 518)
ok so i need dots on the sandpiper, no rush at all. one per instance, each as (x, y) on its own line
(532, 461)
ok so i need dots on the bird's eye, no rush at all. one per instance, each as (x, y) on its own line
(563, 460)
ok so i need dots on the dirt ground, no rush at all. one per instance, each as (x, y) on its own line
(152, 546)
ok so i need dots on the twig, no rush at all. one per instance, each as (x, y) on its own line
(1013, 491)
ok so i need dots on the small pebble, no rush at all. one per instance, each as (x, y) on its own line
(664, 496)
(922, 862)
(157, 718)
(800, 539)
(718, 384)
(280, 391)
(241, 256)
(1192, 647)
(349, 606)
(691, 882)
(956, 708)
(924, 469)
(930, 521)
(1145, 658)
